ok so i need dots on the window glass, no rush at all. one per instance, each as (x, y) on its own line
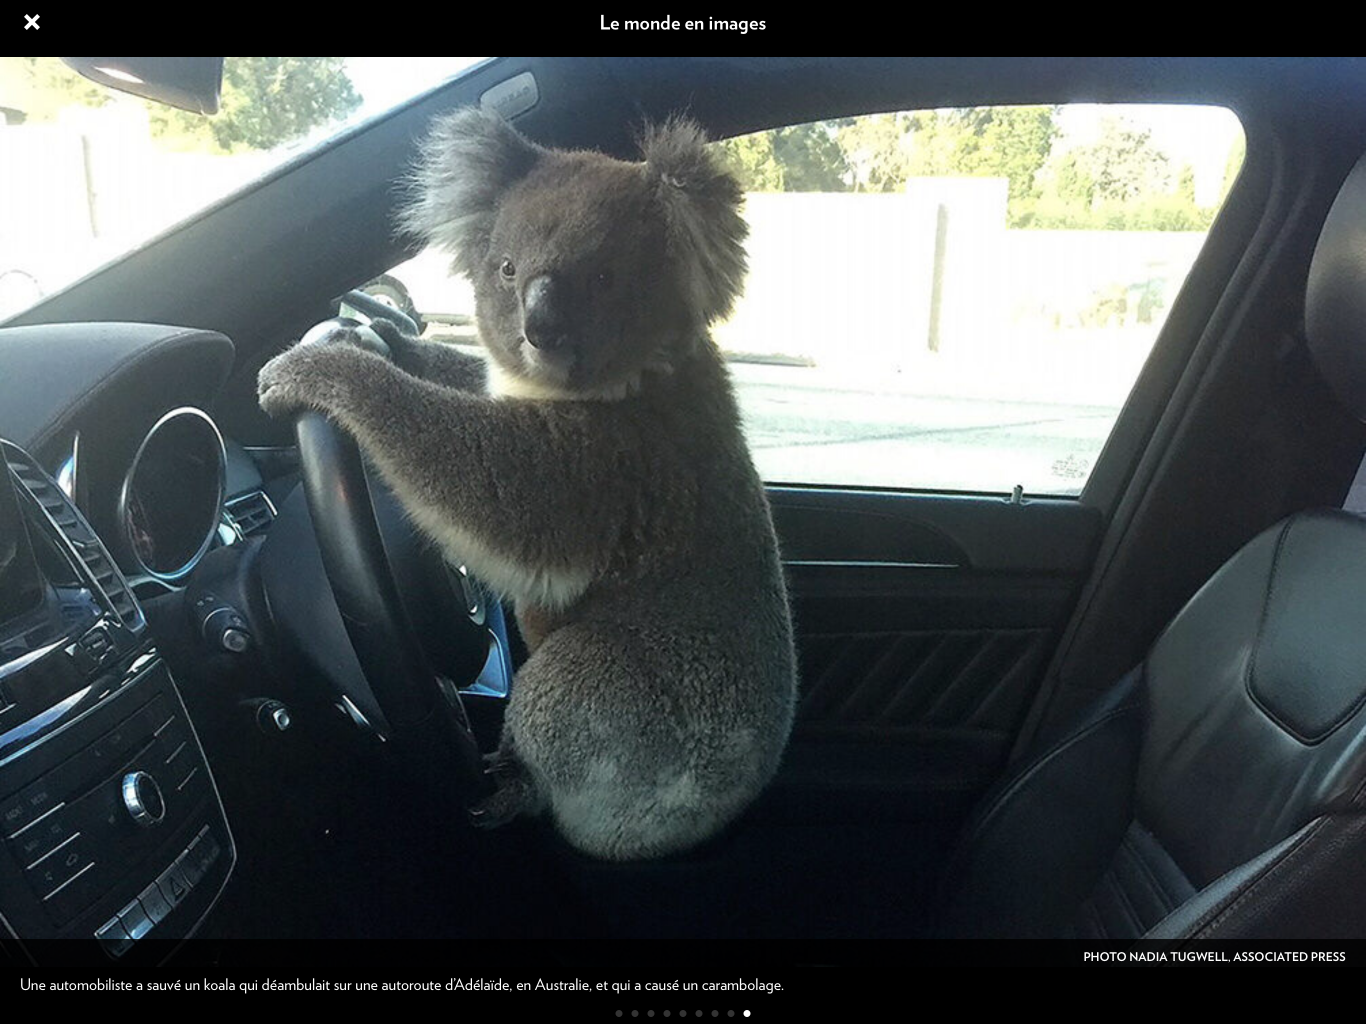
(87, 173)
(962, 299)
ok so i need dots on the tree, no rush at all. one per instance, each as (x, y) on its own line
(810, 158)
(995, 142)
(877, 149)
(798, 158)
(1119, 180)
(751, 159)
(879, 152)
(38, 88)
(1121, 165)
(266, 101)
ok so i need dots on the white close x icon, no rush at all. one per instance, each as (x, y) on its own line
(31, 21)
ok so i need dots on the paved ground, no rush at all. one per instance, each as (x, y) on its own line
(809, 426)
(804, 428)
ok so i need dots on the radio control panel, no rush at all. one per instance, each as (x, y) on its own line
(111, 824)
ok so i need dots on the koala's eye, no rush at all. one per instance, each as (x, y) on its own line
(507, 269)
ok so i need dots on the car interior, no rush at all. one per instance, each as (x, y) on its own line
(241, 697)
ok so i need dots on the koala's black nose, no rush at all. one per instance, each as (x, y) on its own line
(543, 314)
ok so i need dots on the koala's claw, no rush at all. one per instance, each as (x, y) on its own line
(513, 794)
(501, 767)
(502, 806)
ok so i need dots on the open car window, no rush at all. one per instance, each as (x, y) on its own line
(962, 299)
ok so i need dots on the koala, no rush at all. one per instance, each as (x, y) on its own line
(593, 474)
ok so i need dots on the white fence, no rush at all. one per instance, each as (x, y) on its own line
(931, 286)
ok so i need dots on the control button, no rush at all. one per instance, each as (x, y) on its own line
(190, 865)
(222, 625)
(43, 837)
(197, 861)
(175, 747)
(114, 937)
(135, 920)
(97, 644)
(93, 649)
(66, 850)
(26, 806)
(111, 750)
(173, 884)
(142, 799)
(118, 741)
(190, 776)
(272, 717)
(166, 719)
(59, 867)
(154, 903)
(70, 899)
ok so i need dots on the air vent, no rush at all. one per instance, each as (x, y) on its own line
(80, 539)
(250, 514)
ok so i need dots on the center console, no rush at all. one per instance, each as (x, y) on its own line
(111, 829)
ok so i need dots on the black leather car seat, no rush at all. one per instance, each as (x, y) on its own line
(1219, 791)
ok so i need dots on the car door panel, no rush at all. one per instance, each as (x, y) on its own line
(924, 623)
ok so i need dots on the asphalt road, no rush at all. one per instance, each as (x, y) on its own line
(803, 428)
(806, 426)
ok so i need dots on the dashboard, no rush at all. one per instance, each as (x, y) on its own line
(114, 485)
(111, 824)
(170, 647)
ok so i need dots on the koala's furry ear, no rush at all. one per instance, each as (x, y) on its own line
(465, 164)
(701, 202)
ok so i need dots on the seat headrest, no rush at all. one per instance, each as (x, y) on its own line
(1335, 302)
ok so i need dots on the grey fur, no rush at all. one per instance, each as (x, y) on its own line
(702, 204)
(605, 489)
(468, 159)
(441, 364)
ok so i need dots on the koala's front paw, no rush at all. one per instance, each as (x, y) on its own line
(306, 377)
(509, 801)
(514, 793)
(391, 334)
(281, 387)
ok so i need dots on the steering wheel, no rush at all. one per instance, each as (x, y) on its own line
(422, 709)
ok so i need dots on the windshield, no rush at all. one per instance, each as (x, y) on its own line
(87, 174)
